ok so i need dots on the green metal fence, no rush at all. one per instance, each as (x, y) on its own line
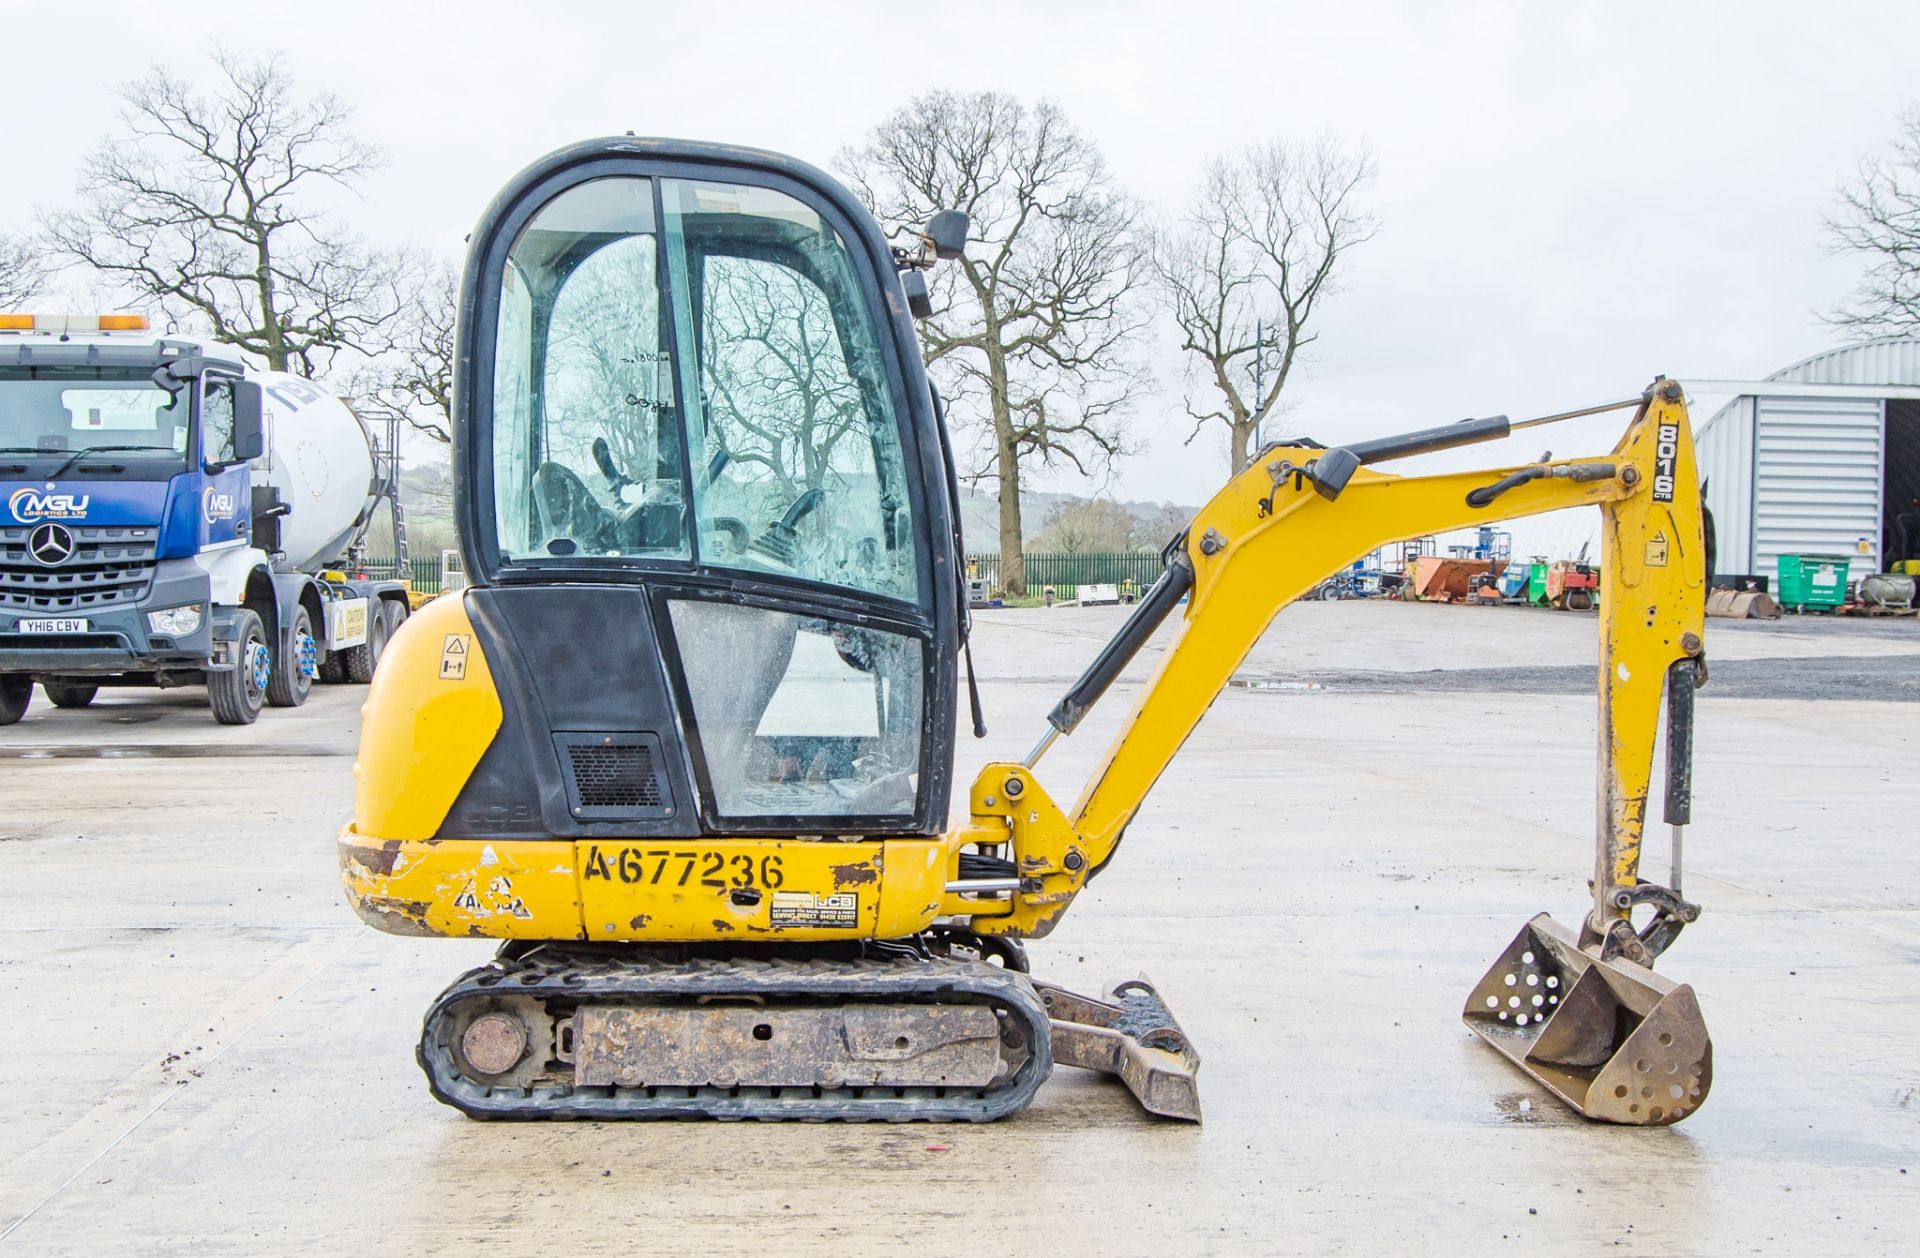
(1060, 570)
(424, 572)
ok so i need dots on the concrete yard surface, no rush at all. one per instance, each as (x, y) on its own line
(205, 1052)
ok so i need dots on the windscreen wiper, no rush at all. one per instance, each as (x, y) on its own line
(21, 467)
(77, 455)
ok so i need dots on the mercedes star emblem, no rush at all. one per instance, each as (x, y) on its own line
(51, 544)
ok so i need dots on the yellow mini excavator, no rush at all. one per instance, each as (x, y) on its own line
(685, 744)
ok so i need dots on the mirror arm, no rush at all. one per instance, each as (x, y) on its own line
(942, 239)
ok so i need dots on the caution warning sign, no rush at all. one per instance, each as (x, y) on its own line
(1657, 551)
(453, 657)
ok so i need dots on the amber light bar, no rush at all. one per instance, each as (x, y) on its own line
(70, 323)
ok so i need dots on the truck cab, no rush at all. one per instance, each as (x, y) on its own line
(131, 521)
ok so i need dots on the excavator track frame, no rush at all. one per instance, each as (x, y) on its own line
(552, 982)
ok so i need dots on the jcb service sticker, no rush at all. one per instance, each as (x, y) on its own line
(805, 908)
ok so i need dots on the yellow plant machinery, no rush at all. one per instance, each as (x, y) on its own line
(685, 744)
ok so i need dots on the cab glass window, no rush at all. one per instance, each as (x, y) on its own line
(587, 443)
(793, 429)
(800, 716)
(216, 421)
(58, 410)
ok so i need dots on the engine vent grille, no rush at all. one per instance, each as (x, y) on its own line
(614, 774)
(619, 775)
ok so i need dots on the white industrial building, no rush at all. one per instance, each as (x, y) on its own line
(1819, 458)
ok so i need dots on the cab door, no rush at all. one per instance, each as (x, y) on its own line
(692, 374)
(224, 490)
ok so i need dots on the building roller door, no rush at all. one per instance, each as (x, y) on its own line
(1816, 486)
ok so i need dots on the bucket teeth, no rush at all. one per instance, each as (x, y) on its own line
(1612, 1039)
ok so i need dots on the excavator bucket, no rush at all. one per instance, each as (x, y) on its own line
(1612, 1039)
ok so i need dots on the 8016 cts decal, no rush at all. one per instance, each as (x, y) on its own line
(676, 867)
(1666, 453)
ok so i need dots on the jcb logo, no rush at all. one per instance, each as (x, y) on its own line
(1666, 453)
(216, 506)
(31, 505)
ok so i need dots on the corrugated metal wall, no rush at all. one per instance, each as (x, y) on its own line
(1724, 449)
(1816, 480)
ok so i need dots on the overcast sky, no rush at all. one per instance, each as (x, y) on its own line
(1573, 196)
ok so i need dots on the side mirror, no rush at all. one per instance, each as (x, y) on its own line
(947, 233)
(249, 425)
(919, 299)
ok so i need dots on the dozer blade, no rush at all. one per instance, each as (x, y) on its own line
(1612, 1039)
(1131, 1034)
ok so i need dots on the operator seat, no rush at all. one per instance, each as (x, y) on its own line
(569, 510)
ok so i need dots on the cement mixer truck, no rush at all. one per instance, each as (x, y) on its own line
(171, 517)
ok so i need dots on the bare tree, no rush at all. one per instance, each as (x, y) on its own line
(1878, 217)
(604, 376)
(1086, 526)
(204, 203)
(1245, 269)
(1040, 316)
(413, 376)
(781, 393)
(22, 272)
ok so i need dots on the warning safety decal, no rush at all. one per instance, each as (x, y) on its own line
(453, 657)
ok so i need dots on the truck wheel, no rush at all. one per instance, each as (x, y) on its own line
(363, 659)
(333, 668)
(66, 694)
(235, 695)
(16, 692)
(395, 613)
(293, 673)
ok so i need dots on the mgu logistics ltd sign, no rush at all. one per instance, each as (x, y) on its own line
(30, 506)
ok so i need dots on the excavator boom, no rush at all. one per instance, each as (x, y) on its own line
(1273, 534)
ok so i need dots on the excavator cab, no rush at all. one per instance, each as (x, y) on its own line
(698, 441)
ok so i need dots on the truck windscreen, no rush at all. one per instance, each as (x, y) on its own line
(62, 410)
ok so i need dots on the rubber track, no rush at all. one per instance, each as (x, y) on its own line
(575, 976)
